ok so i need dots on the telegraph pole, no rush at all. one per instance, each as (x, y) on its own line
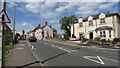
(14, 25)
(3, 36)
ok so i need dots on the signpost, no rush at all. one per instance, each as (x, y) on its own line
(3, 19)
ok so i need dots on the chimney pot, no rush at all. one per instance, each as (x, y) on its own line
(45, 23)
(50, 26)
(39, 25)
(80, 17)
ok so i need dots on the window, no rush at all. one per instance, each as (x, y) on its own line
(109, 33)
(80, 24)
(102, 20)
(102, 34)
(90, 23)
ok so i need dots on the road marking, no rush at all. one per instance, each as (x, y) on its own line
(32, 47)
(109, 59)
(22, 45)
(53, 45)
(20, 48)
(89, 58)
(45, 43)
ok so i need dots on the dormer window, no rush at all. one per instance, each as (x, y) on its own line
(80, 24)
(90, 22)
(102, 20)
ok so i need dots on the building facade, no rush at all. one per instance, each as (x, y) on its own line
(104, 25)
(44, 31)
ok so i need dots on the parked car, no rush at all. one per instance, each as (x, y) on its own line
(32, 38)
(19, 38)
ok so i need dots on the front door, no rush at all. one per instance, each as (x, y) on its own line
(91, 35)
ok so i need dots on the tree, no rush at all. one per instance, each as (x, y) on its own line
(66, 22)
(17, 34)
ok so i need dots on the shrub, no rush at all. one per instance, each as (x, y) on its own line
(115, 40)
(103, 40)
(74, 36)
(66, 37)
(84, 39)
(97, 38)
(8, 47)
(108, 41)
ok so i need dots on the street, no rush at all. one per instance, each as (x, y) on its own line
(58, 54)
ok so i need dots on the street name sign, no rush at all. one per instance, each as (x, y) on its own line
(6, 18)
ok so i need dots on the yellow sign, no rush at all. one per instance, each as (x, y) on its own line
(14, 29)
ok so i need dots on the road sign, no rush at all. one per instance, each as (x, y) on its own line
(6, 18)
(14, 29)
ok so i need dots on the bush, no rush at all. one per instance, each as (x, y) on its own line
(66, 37)
(84, 39)
(74, 36)
(115, 40)
(103, 40)
(93, 42)
(97, 38)
(108, 41)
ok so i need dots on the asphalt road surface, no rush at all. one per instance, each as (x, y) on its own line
(59, 54)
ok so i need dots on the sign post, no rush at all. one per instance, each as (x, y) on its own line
(3, 20)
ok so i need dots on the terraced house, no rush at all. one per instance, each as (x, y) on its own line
(104, 25)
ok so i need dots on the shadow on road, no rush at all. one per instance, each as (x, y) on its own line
(53, 57)
(42, 61)
(28, 64)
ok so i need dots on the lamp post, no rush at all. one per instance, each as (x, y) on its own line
(14, 25)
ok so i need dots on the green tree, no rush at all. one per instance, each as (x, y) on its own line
(17, 34)
(66, 22)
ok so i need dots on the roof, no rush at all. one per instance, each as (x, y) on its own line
(97, 16)
(104, 28)
(42, 28)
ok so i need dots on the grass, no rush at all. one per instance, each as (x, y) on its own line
(8, 47)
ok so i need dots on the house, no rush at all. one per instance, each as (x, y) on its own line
(104, 25)
(7, 29)
(44, 31)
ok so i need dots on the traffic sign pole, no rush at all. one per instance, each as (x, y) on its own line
(3, 36)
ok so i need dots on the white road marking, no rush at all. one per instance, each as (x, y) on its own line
(53, 45)
(100, 60)
(32, 47)
(89, 58)
(109, 59)
(20, 48)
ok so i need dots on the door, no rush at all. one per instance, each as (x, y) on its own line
(91, 35)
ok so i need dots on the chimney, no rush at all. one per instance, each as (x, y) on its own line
(50, 26)
(80, 17)
(45, 23)
(39, 25)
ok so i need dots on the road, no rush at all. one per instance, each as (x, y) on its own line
(58, 54)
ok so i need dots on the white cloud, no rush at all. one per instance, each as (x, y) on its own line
(105, 6)
(24, 26)
(11, 4)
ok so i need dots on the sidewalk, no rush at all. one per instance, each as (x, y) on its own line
(21, 56)
(66, 41)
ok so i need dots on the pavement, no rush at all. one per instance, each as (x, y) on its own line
(57, 54)
(21, 56)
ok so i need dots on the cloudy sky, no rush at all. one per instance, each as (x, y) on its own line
(30, 14)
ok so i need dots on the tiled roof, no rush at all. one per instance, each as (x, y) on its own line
(97, 16)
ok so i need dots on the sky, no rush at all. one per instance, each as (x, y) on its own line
(30, 14)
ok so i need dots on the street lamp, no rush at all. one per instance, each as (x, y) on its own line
(14, 25)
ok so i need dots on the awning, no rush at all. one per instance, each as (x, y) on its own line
(104, 28)
(90, 30)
